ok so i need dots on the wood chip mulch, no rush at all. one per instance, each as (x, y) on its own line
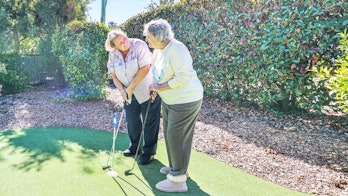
(305, 153)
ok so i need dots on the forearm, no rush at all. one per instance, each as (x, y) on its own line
(117, 83)
(160, 87)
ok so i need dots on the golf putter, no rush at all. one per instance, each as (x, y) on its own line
(116, 123)
(128, 172)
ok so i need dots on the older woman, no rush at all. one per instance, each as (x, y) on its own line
(181, 91)
(129, 65)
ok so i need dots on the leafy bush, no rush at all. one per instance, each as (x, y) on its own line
(258, 52)
(12, 79)
(335, 79)
(2, 71)
(80, 48)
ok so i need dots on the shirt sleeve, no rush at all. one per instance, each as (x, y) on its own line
(180, 61)
(111, 62)
(143, 54)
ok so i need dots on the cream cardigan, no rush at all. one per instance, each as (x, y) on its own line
(173, 64)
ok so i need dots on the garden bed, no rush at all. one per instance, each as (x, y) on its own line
(304, 153)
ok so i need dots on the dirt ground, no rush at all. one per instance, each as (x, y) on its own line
(304, 153)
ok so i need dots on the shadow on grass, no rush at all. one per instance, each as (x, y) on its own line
(44, 144)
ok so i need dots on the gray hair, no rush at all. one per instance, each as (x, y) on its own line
(109, 45)
(160, 29)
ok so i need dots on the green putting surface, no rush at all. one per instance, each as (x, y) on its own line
(68, 161)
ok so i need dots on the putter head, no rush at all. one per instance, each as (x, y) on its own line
(106, 167)
(128, 172)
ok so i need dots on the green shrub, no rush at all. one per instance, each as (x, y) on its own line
(80, 48)
(12, 78)
(335, 79)
(2, 71)
(256, 51)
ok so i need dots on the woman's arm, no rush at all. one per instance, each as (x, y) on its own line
(119, 86)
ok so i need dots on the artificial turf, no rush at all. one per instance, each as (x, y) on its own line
(68, 161)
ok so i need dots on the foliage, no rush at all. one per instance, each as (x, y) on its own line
(2, 71)
(26, 27)
(16, 23)
(80, 48)
(335, 79)
(12, 79)
(255, 51)
(46, 22)
(22, 22)
(152, 4)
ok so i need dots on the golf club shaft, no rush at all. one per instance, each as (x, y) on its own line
(141, 136)
(112, 150)
(115, 136)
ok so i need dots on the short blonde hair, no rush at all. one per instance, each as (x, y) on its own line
(109, 45)
(160, 29)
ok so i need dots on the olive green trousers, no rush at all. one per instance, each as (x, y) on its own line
(179, 121)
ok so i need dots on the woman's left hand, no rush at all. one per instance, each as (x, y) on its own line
(129, 94)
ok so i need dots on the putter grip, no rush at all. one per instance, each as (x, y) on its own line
(115, 120)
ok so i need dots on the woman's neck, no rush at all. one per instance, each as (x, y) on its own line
(165, 44)
(124, 53)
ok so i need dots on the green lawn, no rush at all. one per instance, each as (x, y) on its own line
(68, 161)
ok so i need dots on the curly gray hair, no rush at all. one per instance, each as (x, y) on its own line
(160, 29)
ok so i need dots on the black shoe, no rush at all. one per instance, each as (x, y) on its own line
(129, 153)
(145, 159)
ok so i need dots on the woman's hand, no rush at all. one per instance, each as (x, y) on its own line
(129, 92)
(153, 90)
(124, 95)
(153, 95)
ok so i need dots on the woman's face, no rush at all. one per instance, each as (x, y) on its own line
(121, 43)
(153, 42)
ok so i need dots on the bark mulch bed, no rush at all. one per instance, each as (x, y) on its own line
(302, 152)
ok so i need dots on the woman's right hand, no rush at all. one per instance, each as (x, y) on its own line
(153, 95)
